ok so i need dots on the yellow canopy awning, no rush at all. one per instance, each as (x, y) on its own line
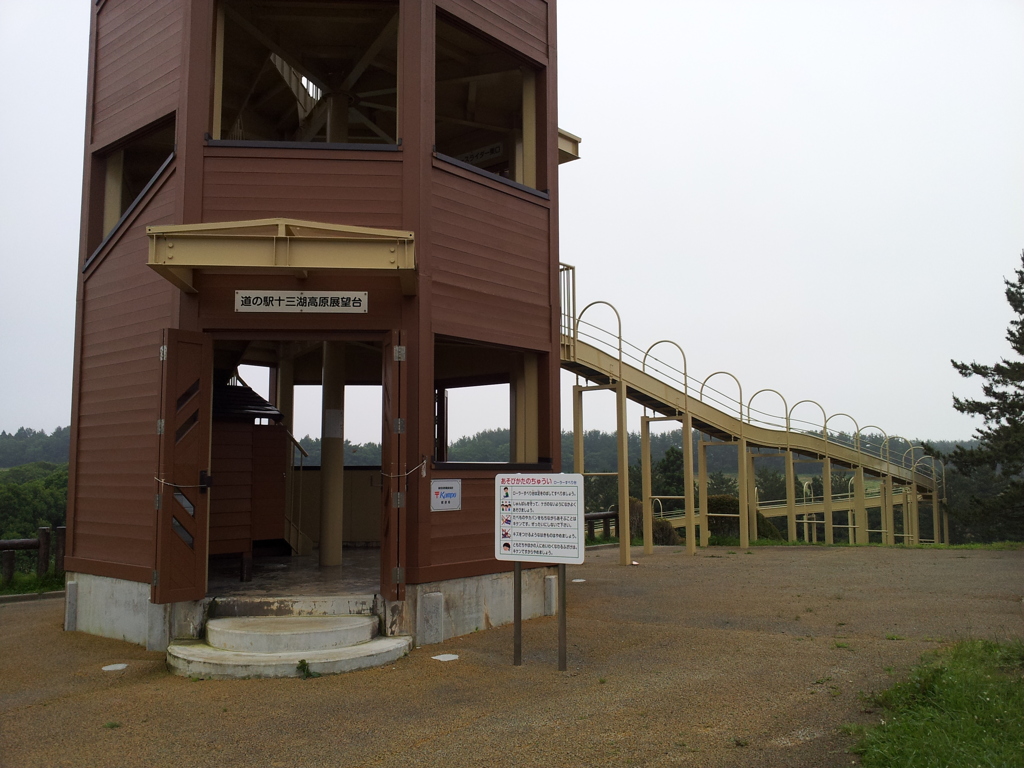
(278, 246)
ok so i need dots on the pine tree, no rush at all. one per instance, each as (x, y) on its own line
(1001, 439)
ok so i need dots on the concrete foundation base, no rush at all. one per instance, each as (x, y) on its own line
(100, 605)
(443, 609)
(432, 612)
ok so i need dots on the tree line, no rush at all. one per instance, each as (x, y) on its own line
(33, 491)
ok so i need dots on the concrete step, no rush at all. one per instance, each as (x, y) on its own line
(281, 634)
(194, 658)
(300, 605)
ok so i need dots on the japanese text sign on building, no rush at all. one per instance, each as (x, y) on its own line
(539, 518)
(445, 495)
(351, 302)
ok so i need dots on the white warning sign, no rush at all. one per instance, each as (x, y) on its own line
(539, 518)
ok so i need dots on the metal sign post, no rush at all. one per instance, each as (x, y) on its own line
(539, 519)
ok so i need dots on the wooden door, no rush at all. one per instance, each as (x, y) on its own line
(184, 501)
(393, 497)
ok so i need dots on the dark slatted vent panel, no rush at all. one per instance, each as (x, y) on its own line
(240, 403)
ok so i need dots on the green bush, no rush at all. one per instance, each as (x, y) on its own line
(663, 532)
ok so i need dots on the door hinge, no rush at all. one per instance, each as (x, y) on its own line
(159, 426)
(156, 578)
(156, 503)
(163, 352)
(399, 353)
(398, 499)
(399, 426)
(398, 574)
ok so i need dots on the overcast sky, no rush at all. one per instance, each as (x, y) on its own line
(821, 197)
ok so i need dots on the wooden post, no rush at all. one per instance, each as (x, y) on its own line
(7, 566)
(59, 539)
(43, 563)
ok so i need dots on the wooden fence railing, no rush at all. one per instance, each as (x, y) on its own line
(45, 541)
(608, 519)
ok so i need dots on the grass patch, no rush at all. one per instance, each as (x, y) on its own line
(28, 583)
(989, 546)
(961, 706)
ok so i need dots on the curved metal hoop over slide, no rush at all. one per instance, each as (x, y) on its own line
(856, 444)
(618, 319)
(686, 378)
(785, 407)
(740, 386)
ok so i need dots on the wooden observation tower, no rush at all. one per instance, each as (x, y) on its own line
(345, 193)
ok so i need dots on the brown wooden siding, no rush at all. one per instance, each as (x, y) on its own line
(490, 262)
(269, 461)
(520, 24)
(137, 66)
(231, 494)
(467, 534)
(125, 307)
(247, 462)
(357, 188)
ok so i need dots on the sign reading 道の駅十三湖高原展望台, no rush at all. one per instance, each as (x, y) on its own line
(341, 302)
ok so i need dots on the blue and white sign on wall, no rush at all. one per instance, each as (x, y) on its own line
(445, 495)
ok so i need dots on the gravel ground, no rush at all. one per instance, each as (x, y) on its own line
(729, 658)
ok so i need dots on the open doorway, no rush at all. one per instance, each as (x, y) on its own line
(267, 445)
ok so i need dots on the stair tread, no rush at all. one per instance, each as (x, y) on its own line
(199, 650)
(274, 634)
(289, 624)
(196, 658)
